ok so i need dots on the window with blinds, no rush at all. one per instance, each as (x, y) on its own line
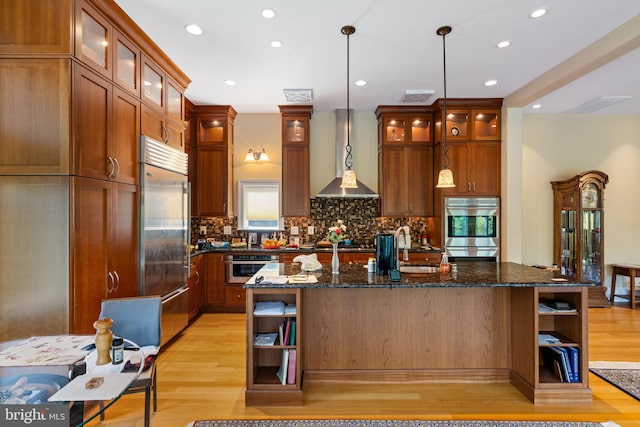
(259, 205)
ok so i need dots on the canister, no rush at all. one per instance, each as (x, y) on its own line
(117, 350)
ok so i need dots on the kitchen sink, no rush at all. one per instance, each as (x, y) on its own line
(417, 268)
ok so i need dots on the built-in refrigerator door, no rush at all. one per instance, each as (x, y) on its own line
(165, 230)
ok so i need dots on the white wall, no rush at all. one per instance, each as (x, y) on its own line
(557, 147)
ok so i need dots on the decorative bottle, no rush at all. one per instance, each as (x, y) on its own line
(335, 262)
(444, 263)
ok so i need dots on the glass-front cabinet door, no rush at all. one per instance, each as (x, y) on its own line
(591, 245)
(568, 241)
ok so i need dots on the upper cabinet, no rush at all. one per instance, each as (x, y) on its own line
(212, 177)
(163, 109)
(472, 128)
(405, 160)
(296, 121)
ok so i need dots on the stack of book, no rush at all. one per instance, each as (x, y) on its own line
(565, 362)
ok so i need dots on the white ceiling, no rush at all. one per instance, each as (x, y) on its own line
(587, 48)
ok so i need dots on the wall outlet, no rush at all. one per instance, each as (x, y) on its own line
(227, 230)
(311, 230)
(294, 230)
(203, 230)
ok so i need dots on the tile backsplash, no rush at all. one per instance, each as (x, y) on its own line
(361, 217)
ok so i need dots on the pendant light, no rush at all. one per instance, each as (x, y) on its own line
(349, 175)
(445, 177)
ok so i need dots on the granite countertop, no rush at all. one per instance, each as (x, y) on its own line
(470, 274)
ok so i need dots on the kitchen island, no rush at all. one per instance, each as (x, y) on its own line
(481, 324)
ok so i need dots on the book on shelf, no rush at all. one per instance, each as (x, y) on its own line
(291, 373)
(547, 339)
(574, 361)
(265, 308)
(558, 357)
(292, 338)
(265, 339)
(287, 332)
(281, 334)
(555, 307)
(284, 367)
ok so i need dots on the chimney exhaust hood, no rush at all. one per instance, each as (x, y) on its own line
(333, 189)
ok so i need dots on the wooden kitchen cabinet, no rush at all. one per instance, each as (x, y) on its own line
(296, 121)
(214, 273)
(212, 193)
(473, 138)
(27, 149)
(105, 253)
(475, 166)
(106, 123)
(405, 161)
(163, 106)
(195, 281)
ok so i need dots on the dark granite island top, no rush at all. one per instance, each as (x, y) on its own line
(470, 274)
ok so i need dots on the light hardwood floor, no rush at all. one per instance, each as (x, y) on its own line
(202, 376)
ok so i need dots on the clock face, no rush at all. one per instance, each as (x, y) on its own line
(590, 196)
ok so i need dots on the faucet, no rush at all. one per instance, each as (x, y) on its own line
(406, 243)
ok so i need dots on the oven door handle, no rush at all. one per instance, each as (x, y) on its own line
(233, 262)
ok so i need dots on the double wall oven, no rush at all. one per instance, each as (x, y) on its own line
(472, 228)
(240, 267)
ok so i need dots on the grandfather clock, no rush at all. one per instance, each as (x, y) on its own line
(578, 227)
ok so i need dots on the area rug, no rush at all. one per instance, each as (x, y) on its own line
(390, 423)
(624, 375)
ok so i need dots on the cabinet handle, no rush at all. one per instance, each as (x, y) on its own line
(110, 288)
(167, 135)
(117, 281)
(197, 277)
(474, 187)
(117, 167)
(113, 167)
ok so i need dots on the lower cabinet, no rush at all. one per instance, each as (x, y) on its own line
(274, 372)
(195, 282)
(105, 250)
(221, 296)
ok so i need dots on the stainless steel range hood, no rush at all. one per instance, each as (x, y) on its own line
(333, 189)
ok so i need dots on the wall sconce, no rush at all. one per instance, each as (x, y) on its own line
(253, 156)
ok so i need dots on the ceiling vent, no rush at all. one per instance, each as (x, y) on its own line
(417, 95)
(596, 104)
(298, 95)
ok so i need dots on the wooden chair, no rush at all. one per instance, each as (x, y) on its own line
(138, 319)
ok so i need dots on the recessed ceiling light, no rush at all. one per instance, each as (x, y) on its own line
(268, 13)
(193, 29)
(491, 83)
(503, 44)
(230, 82)
(536, 106)
(276, 43)
(361, 82)
(538, 13)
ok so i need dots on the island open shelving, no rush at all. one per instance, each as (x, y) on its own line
(480, 325)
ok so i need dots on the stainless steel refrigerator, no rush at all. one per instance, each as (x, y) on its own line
(164, 228)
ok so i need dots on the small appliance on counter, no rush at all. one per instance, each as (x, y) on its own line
(384, 253)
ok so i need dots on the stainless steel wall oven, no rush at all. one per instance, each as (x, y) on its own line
(472, 228)
(241, 267)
